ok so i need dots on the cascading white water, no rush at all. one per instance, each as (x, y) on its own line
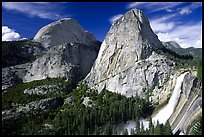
(131, 124)
(165, 113)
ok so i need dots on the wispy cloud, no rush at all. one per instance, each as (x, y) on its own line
(114, 18)
(169, 10)
(10, 34)
(165, 6)
(188, 9)
(154, 6)
(187, 35)
(45, 10)
(163, 24)
(167, 27)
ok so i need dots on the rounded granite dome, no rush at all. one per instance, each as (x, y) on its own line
(63, 31)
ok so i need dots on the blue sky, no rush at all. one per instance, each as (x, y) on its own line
(171, 21)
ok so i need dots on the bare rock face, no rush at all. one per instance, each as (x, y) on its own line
(69, 101)
(45, 89)
(13, 75)
(171, 45)
(127, 62)
(70, 60)
(63, 31)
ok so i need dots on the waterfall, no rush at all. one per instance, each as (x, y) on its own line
(164, 114)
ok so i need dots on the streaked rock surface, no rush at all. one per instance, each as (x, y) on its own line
(70, 60)
(126, 62)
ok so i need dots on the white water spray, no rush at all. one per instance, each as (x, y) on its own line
(131, 124)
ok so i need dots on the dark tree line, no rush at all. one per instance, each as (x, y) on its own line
(108, 109)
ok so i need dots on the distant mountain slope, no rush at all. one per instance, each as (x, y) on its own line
(195, 52)
(171, 45)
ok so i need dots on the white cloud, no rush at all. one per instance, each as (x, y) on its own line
(162, 24)
(185, 11)
(187, 35)
(45, 10)
(114, 18)
(162, 27)
(135, 4)
(165, 6)
(154, 6)
(169, 10)
(199, 43)
(188, 9)
(10, 34)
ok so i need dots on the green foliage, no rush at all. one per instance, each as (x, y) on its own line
(158, 129)
(199, 68)
(196, 52)
(167, 129)
(197, 127)
(30, 124)
(20, 43)
(151, 127)
(109, 109)
(181, 61)
(172, 55)
(18, 52)
(125, 132)
(15, 95)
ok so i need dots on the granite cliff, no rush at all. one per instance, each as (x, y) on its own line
(128, 61)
